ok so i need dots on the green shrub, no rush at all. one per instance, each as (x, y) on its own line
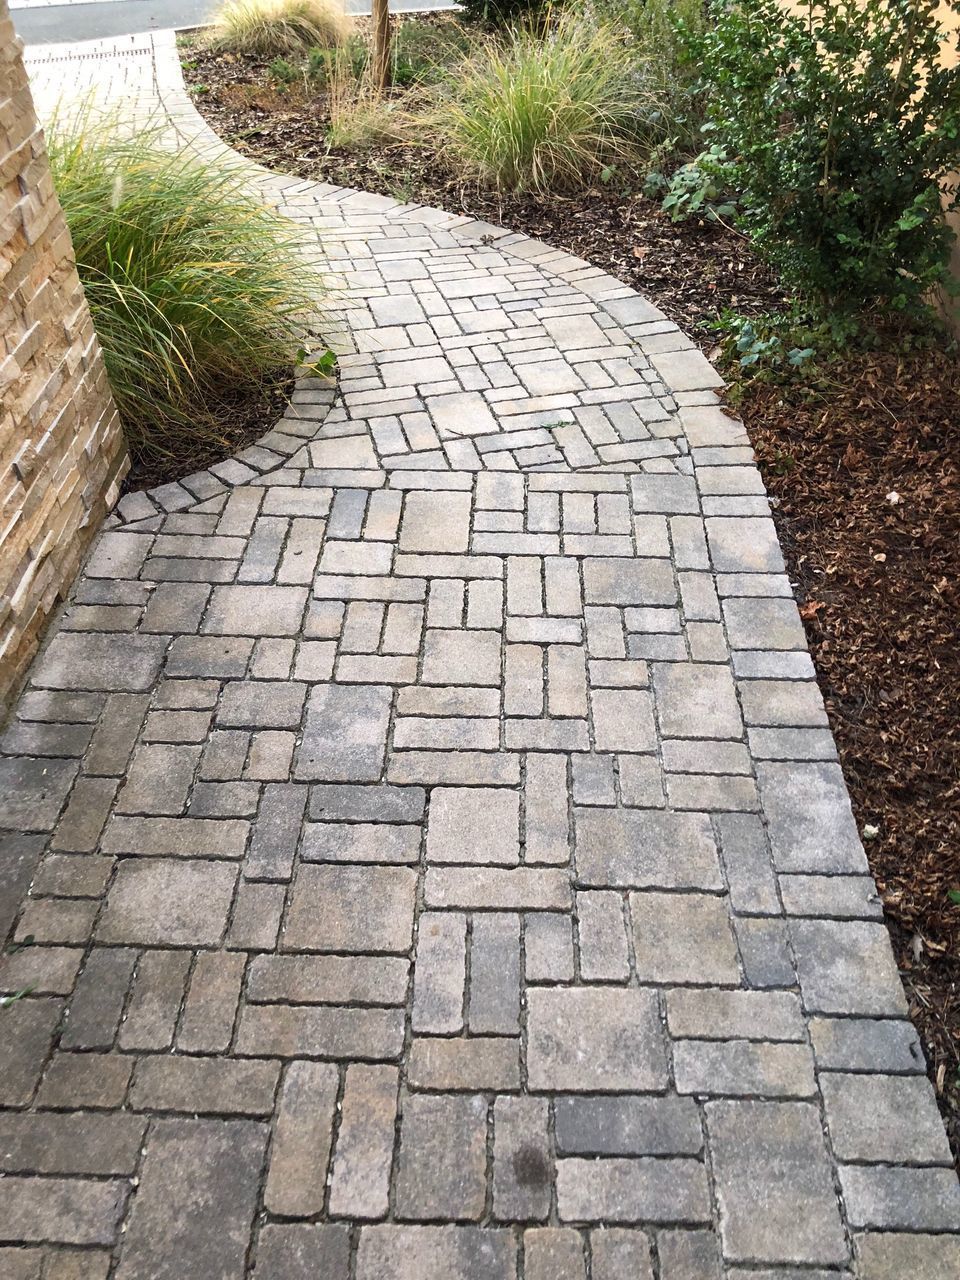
(500, 13)
(271, 28)
(842, 121)
(654, 28)
(318, 64)
(423, 51)
(195, 288)
(545, 113)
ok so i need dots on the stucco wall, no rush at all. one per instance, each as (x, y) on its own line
(62, 452)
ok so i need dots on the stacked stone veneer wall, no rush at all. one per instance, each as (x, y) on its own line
(62, 452)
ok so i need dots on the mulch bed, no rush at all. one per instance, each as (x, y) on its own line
(876, 578)
(232, 422)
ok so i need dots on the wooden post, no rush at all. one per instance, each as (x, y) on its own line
(381, 43)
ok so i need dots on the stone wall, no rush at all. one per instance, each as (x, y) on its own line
(62, 452)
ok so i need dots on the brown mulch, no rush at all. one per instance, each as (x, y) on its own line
(865, 469)
(232, 422)
(877, 579)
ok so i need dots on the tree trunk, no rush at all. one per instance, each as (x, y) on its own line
(381, 43)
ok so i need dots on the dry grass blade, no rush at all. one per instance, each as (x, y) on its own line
(361, 113)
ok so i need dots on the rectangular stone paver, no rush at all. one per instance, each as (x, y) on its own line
(168, 902)
(594, 1041)
(475, 825)
(442, 1169)
(640, 1190)
(62, 1210)
(627, 1126)
(345, 734)
(627, 848)
(422, 843)
(296, 1183)
(436, 1253)
(777, 1202)
(196, 1200)
(360, 1179)
(522, 1172)
(357, 909)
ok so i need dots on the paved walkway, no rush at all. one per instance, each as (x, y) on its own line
(434, 851)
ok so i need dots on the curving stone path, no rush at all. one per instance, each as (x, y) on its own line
(435, 853)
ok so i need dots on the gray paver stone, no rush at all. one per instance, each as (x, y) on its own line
(345, 735)
(351, 908)
(75, 660)
(436, 1253)
(303, 1252)
(594, 1040)
(196, 1200)
(638, 849)
(774, 1183)
(441, 1173)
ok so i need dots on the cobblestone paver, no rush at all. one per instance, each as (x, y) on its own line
(434, 857)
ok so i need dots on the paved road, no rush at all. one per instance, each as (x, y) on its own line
(437, 862)
(39, 22)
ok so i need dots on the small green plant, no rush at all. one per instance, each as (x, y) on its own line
(196, 289)
(547, 112)
(700, 187)
(321, 365)
(843, 120)
(754, 349)
(273, 28)
(318, 64)
(780, 343)
(283, 72)
(348, 61)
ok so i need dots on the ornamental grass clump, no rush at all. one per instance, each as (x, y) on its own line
(272, 28)
(197, 291)
(543, 112)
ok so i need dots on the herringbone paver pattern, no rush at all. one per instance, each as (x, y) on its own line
(433, 850)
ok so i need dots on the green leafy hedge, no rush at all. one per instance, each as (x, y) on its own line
(841, 123)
